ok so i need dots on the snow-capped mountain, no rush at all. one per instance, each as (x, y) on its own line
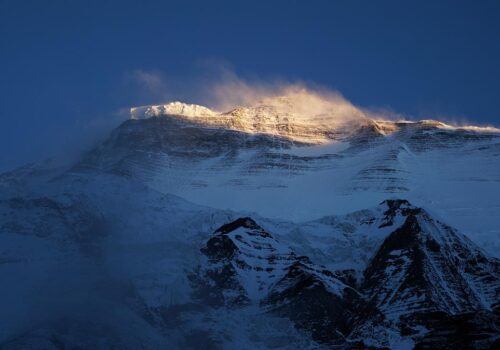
(272, 160)
(426, 274)
(276, 225)
(424, 282)
(246, 266)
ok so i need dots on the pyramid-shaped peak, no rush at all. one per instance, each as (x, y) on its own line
(245, 222)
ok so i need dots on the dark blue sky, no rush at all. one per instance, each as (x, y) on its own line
(67, 67)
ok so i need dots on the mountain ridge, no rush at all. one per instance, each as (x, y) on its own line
(280, 177)
(393, 296)
(278, 116)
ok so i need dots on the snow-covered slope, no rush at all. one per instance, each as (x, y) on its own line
(426, 265)
(88, 244)
(246, 266)
(280, 160)
(421, 284)
(138, 244)
(426, 273)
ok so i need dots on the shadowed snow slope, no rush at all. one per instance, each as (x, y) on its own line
(108, 262)
(424, 281)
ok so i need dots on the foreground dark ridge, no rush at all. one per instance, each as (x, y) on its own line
(112, 264)
(426, 282)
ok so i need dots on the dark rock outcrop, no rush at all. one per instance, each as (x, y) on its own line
(426, 282)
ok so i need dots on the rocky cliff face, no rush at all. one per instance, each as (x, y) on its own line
(426, 277)
(426, 282)
(246, 265)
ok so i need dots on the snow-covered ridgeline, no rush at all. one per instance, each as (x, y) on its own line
(285, 117)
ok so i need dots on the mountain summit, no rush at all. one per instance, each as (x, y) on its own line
(302, 156)
(297, 114)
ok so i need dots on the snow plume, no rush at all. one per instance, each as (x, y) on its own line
(297, 98)
(306, 103)
(151, 81)
(291, 111)
(312, 104)
(228, 92)
(223, 91)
